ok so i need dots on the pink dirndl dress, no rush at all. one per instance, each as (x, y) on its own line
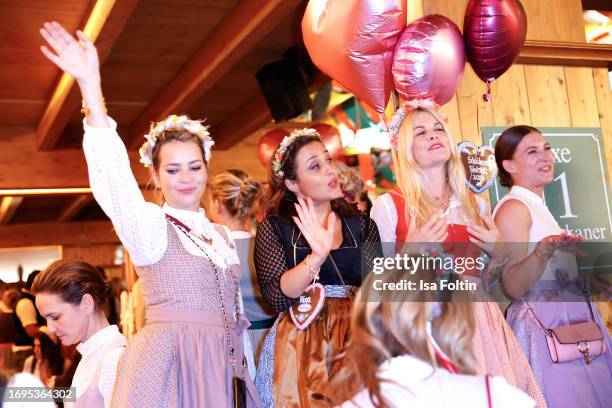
(181, 357)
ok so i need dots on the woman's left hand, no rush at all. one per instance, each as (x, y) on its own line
(489, 239)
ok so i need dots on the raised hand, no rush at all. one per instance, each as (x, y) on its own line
(564, 242)
(319, 238)
(78, 59)
(489, 239)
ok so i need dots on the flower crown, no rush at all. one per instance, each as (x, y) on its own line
(279, 155)
(398, 117)
(174, 122)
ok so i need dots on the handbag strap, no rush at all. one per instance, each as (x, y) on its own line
(535, 317)
(488, 385)
(187, 232)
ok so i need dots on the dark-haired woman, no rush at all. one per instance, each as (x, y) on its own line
(71, 295)
(543, 276)
(309, 233)
(47, 362)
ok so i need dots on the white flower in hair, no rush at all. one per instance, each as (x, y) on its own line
(279, 156)
(398, 117)
(174, 122)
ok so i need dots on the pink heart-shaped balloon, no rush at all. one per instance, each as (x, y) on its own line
(429, 59)
(353, 41)
(307, 308)
(494, 32)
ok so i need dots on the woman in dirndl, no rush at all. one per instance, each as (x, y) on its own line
(310, 234)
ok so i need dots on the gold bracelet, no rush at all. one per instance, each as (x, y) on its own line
(86, 107)
(313, 273)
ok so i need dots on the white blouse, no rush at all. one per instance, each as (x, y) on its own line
(418, 384)
(141, 225)
(102, 350)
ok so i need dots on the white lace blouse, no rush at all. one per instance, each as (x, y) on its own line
(141, 225)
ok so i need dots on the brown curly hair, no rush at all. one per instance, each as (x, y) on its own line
(278, 200)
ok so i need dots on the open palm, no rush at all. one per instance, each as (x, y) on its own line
(319, 238)
(79, 59)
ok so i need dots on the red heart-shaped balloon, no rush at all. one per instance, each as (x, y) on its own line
(330, 136)
(494, 33)
(353, 42)
(268, 144)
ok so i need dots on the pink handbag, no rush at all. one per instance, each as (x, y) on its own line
(575, 341)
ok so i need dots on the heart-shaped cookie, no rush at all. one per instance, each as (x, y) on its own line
(308, 305)
(479, 164)
(353, 42)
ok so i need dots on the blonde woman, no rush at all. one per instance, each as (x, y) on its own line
(424, 359)
(435, 206)
(233, 203)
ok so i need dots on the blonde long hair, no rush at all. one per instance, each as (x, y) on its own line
(393, 324)
(411, 180)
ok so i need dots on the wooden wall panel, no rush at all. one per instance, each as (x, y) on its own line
(603, 93)
(241, 156)
(451, 111)
(97, 255)
(547, 95)
(581, 97)
(510, 101)
(554, 20)
(472, 107)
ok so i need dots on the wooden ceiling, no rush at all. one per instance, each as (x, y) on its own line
(158, 57)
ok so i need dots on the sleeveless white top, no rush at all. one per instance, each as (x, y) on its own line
(543, 224)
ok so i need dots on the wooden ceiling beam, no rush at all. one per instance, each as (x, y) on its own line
(57, 233)
(22, 166)
(238, 125)
(239, 31)
(8, 208)
(103, 26)
(75, 206)
(565, 53)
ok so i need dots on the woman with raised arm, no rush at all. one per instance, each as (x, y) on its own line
(543, 279)
(190, 352)
(435, 206)
(310, 234)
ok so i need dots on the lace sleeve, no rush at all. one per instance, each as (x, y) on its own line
(371, 246)
(140, 225)
(271, 263)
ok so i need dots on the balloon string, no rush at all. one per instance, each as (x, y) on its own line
(488, 98)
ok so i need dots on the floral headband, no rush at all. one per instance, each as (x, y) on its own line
(398, 117)
(174, 122)
(279, 156)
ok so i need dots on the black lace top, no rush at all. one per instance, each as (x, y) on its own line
(279, 246)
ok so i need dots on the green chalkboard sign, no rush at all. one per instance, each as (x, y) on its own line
(579, 196)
